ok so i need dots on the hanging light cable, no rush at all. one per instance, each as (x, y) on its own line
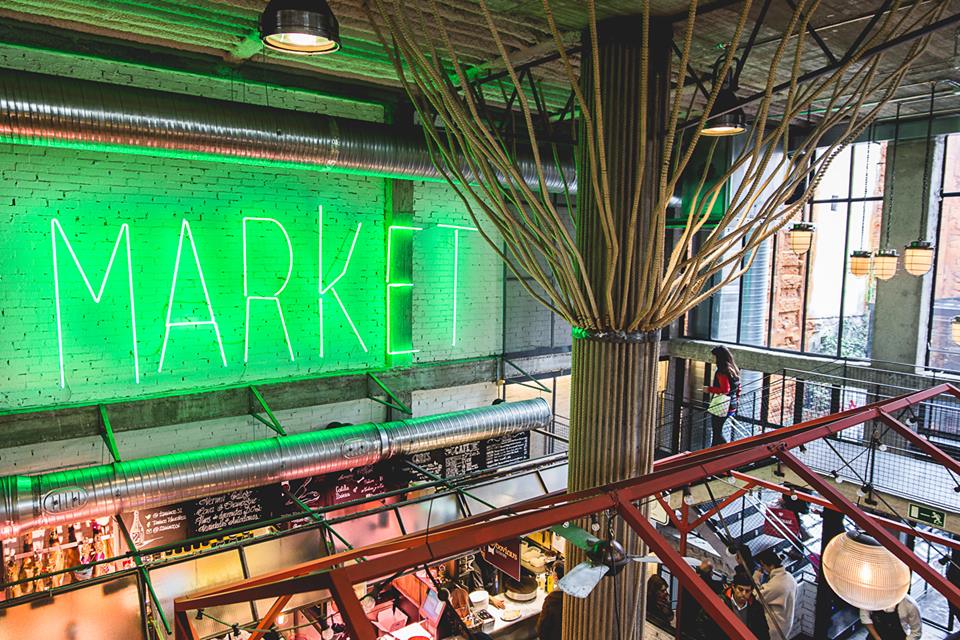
(918, 255)
(860, 258)
(885, 259)
(800, 234)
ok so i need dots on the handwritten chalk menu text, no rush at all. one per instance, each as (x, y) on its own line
(472, 456)
(227, 511)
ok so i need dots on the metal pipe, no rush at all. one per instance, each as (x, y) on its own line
(51, 110)
(64, 497)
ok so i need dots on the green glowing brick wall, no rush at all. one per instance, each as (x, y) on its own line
(74, 204)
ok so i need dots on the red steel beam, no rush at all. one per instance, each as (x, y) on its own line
(922, 443)
(826, 504)
(183, 628)
(358, 626)
(736, 495)
(866, 412)
(478, 530)
(671, 512)
(712, 604)
(884, 537)
(272, 614)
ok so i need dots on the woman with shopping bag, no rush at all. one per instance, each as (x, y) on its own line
(724, 392)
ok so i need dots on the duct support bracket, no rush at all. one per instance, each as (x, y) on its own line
(316, 517)
(143, 573)
(394, 403)
(272, 422)
(539, 386)
(106, 432)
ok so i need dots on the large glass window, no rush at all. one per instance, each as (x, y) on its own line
(812, 302)
(943, 352)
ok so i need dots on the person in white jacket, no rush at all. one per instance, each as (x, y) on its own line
(900, 622)
(778, 592)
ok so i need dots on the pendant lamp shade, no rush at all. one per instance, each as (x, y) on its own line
(955, 329)
(860, 263)
(731, 120)
(304, 27)
(800, 237)
(885, 263)
(918, 257)
(863, 573)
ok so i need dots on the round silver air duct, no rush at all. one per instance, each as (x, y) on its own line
(64, 497)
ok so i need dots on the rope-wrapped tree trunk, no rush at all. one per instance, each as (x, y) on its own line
(614, 393)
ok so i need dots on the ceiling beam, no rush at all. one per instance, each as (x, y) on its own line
(110, 50)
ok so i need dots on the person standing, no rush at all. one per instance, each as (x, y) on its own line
(778, 592)
(726, 382)
(900, 622)
(551, 616)
(739, 598)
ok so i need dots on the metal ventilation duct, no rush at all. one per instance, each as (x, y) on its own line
(64, 497)
(36, 108)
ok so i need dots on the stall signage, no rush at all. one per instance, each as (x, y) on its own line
(504, 556)
(207, 516)
(462, 459)
(933, 517)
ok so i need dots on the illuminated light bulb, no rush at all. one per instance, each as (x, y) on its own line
(885, 263)
(883, 446)
(800, 237)
(860, 263)
(862, 491)
(918, 257)
(863, 573)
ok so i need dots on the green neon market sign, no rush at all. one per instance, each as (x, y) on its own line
(105, 301)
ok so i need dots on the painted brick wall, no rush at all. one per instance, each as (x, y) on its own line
(433, 401)
(79, 452)
(92, 193)
(448, 323)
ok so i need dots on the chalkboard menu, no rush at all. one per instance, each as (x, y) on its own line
(472, 456)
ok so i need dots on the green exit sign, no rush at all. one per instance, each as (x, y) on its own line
(927, 515)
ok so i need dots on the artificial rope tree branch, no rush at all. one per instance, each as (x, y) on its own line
(473, 156)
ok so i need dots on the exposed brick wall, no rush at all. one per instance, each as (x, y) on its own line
(92, 193)
(479, 295)
(433, 401)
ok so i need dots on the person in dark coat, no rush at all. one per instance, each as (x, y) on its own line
(739, 598)
(551, 616)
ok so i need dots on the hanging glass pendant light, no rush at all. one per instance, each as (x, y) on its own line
(918, 255)
(800, 237)
(955, 329)
(885, 263)
(860, 263)
(863, 573)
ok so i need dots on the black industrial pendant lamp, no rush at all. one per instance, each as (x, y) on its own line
(303, 27)
(726, 117)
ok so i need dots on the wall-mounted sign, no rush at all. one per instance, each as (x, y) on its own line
(930, 516)
(504, 556)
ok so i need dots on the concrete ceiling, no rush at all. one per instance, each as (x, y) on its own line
(226, 30)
